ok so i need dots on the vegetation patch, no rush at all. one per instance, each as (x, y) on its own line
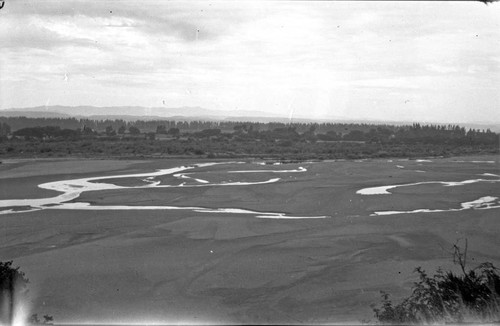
(470, 297)
(13, 292)
(226, 139)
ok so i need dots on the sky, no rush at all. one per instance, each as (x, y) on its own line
(389, 60)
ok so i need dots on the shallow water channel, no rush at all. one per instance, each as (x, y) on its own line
(73, 188)
(486, 202)
(182, 176)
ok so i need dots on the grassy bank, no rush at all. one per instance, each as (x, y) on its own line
(196, 148)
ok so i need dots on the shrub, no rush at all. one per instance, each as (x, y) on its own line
(473, 296)
(47, 320)
(13, 291)
(13, 288)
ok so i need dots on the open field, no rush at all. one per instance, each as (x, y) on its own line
(276, 264)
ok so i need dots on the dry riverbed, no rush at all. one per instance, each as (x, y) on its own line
(146, 265)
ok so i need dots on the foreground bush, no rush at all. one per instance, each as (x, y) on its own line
(473, 296)
(14, 291)
(13, 288)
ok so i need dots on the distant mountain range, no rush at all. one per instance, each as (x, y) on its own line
(132, 113)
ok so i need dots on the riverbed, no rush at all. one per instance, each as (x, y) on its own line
(239, 242)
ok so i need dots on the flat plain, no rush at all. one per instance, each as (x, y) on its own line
(208, 266)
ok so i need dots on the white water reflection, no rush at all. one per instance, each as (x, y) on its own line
(72, 189)
(185, 176)
(384, 190)
(260, 214)
(487, 202)
(300, 169)
(485, 162)
(289, 217)
(490, 175)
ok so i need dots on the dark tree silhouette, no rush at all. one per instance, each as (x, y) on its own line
(4, 129)
(13, 286)
(134, 130)
(110, 131)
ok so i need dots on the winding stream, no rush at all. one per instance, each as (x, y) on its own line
(73, 188)
(486, 202)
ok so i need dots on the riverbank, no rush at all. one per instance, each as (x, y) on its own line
(212, 149)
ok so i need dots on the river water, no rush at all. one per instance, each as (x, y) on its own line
(73, 188)
(486, 202)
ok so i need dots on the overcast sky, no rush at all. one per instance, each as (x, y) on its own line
(413, 61)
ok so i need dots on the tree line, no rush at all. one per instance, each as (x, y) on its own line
(73, 129)
(99, 125)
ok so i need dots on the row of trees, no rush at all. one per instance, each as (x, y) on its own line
(17, 123)
(412, 134)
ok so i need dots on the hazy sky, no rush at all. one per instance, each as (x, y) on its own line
(425, 61)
